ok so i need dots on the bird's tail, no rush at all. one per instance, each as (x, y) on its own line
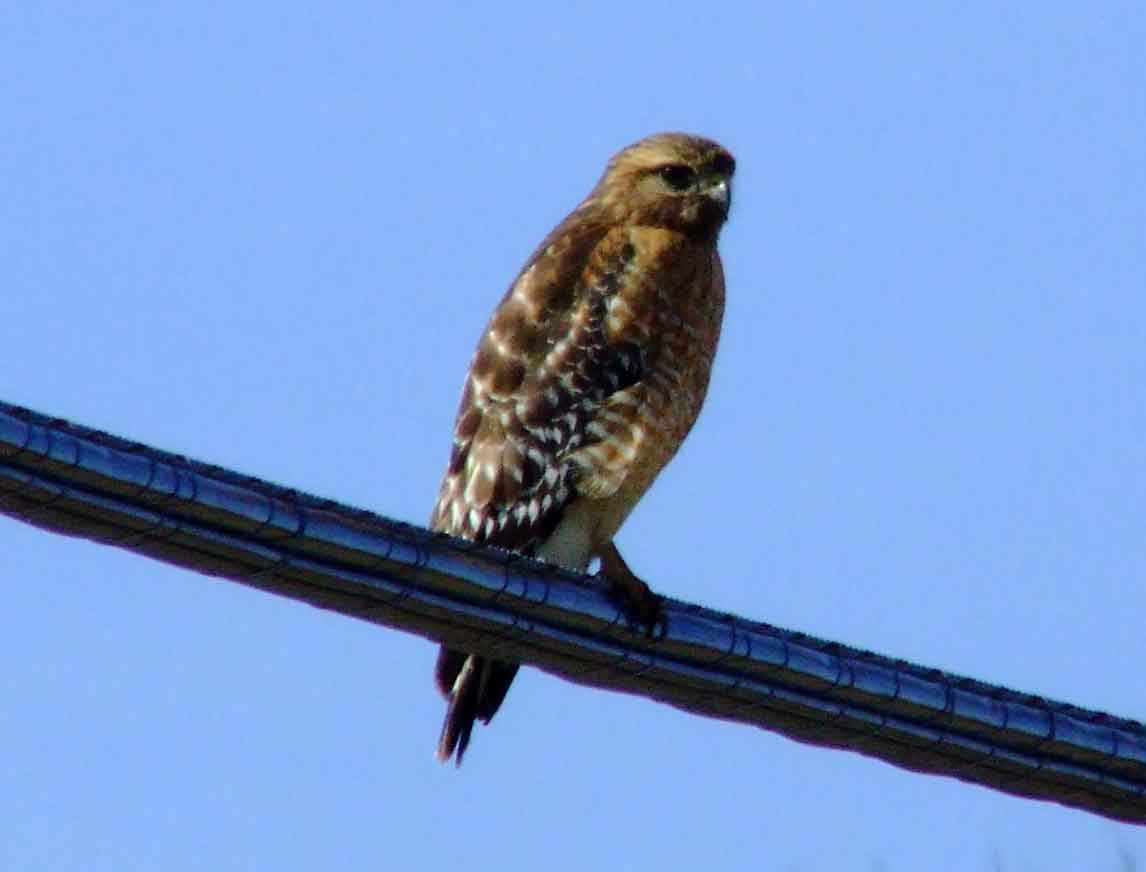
(474, 688)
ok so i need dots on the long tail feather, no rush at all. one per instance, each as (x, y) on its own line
(461, 711)
(475, 688)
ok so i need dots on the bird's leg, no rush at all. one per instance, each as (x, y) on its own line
(632, 596)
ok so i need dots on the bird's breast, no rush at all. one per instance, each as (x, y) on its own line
(671, 307)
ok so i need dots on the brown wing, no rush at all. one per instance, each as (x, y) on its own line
(541, 370)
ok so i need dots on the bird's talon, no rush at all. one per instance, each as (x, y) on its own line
(643, 609)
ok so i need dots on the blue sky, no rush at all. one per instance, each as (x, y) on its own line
(268, 235)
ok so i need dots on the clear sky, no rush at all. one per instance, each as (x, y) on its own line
(267, 235)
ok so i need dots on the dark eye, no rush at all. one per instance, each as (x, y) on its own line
(677, 176)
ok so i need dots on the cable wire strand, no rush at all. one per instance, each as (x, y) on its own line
(80, 482)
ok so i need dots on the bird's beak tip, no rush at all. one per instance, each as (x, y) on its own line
(721, 192)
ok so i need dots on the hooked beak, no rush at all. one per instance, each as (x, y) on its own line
(721, 192)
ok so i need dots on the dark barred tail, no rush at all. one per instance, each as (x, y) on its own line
(462, 709)
(475, 688)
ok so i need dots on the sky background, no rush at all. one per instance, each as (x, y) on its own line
(267, 235)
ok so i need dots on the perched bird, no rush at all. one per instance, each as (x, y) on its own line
(585, 383)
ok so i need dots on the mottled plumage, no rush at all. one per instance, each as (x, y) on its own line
(586, 381)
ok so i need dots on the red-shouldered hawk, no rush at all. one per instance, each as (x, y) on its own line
(586, 381)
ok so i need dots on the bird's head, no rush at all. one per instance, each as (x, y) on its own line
(672, 180)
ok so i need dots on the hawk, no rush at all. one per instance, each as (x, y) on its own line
(589, 375)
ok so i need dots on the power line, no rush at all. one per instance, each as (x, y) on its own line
(81, 482)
